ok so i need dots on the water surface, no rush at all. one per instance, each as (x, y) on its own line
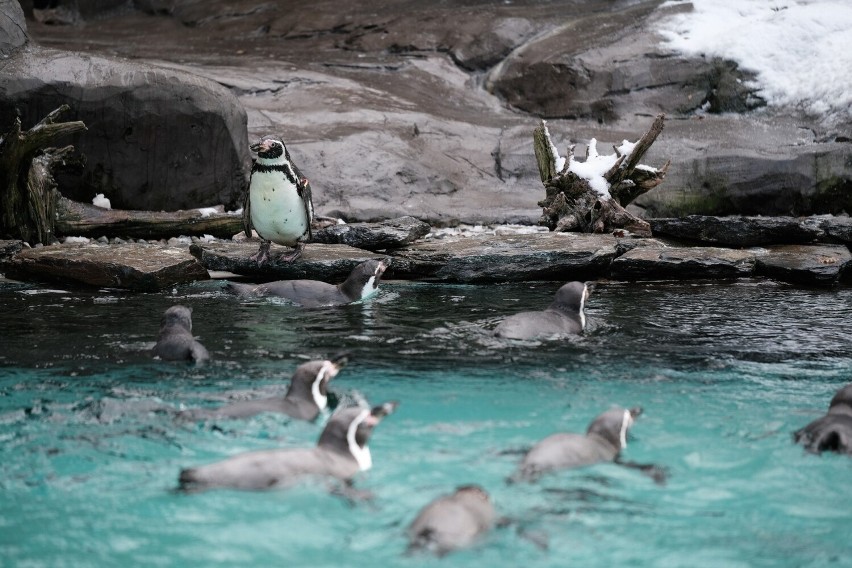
(725, 372)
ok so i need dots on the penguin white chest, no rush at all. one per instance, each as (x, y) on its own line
(277, 209)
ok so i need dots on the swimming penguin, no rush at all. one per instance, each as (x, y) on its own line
(361, 283)
(175, 342)
(278, 205)
(832, 432)
(341, 453)
(305, 399)
(452, 521)
(563, 317)
(604, 439)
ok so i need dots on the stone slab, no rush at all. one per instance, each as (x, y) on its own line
(823, 265)
(661, 263)
(505, 258)
(393, 233)
(141, 267)
(329, 263)
(740, 231)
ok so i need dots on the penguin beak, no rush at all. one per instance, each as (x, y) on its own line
(383, 265)
(261, 146)
(379, 412)
(340, 360)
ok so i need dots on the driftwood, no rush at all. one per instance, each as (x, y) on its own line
(27, 188)
(84, 220)
(572, 204)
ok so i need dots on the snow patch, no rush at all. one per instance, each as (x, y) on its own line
(799, 50)
(207, 211)
(101, 201)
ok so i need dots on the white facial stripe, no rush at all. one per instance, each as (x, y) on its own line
(625, 424)
(320, 399)
(583, 306)
(361, 455)
(369, 287)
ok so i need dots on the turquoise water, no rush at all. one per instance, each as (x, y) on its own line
(725, 372)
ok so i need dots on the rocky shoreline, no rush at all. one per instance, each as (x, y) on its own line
(811, 251)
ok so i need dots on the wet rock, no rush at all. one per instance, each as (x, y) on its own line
(13, 27)
(393, 233)
(837, 229)
(822, 265)
(133, 266)
(503, 258)
(157, 139)
(666, 262)
(10, 248)
(329, 263)
(739, 231)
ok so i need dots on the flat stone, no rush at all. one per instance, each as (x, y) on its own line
(503, 258)
(393, 233)
(132, 266)
(822, 265)
(740, 231)
(653, 263)
(329, 263)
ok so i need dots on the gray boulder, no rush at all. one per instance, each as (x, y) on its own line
(13, 27)
(393, 233)
(823, 265)
(675, 263)
(157, 138)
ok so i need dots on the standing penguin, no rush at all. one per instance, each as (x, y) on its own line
(340, 453)
(305, 399)
(278, 205)
(565, 316)
(176, 342)
(452, 521)
(832, 432)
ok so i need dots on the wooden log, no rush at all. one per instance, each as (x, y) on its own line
(27, 187)
(571, 204)
(81, 219)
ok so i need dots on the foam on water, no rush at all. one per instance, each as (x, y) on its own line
(725, 372)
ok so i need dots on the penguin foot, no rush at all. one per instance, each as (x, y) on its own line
(262, 255)
(293, 256)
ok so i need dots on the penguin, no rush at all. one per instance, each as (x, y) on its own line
(452, 521)
(175, 342)
(603, 441)
(278, 205)
(564, 316)
(305, 399)
(361, 283)
(340, 454)
(832, 432)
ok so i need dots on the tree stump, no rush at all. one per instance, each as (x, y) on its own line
(591, 196)
(27, 188)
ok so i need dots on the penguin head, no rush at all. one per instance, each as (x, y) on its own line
(271, 150)
(364, 279)
(310, 380)
(614, 424)
(473, 492)
(571, 298)
(177, 316)
(349, 430)
(841, 403)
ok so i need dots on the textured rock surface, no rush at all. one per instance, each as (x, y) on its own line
(10, 248)
(133, 266)
(739, 231)
(13, 27)
(401, 108)
(662, 263)
(815, 265)
(500, 258)
(329, 263)
(157, 139)
(389, 234)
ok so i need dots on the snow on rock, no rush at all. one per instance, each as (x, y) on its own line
(101, 201)
(594, 168)
(207, 211)
(800, 50)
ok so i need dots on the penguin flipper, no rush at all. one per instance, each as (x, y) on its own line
(304, 188)
(247, 224)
